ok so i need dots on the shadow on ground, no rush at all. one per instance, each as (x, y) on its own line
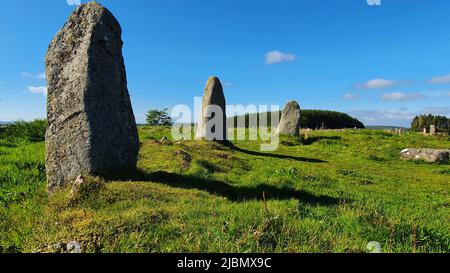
(232, 193)
(314, 139)
(254, 153)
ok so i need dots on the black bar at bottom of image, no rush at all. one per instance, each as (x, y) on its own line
(219, 262)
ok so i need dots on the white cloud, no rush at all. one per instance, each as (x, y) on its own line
(40, 76)
(350, 96)
(441, 79)
(276, 56)
(227, 84)
(376, 84)
(73, 2)
(400, 96)
(38, 90)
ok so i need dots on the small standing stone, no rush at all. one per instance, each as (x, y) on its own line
(290, 120)
(432, 130)
(213, 120)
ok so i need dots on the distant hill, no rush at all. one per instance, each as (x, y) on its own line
(5, 122)
(315, 119)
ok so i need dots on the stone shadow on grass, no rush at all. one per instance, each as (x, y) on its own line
(232, 193)
(314, 139)
(297, 158)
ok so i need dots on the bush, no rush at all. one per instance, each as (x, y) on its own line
(33, 131)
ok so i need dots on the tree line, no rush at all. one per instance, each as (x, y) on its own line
(424, 121)
(33, 131)
(313, 119)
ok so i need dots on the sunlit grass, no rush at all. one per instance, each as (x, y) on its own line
(325, 192)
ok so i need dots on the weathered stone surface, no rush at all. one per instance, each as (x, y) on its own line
(92, 129)
(290, 120)
(428, 155)
(213, 120)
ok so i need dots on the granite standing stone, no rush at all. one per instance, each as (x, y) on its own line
(290, 120)
(91, 125)
(213, 120)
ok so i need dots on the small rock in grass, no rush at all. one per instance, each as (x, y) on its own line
(165, 141)
(77, 185)
(74, 247)
(185, 159)
(428, 155)
(374, 247)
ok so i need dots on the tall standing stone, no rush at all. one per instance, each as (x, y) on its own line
(213, 120)
(290, 120)
(91, 125)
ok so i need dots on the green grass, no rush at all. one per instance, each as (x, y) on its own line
(328, 192)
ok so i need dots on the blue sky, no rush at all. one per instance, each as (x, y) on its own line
(382, 64)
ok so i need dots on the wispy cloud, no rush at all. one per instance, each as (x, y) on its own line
(39, 76)
(442, 94)
(276, 56)
(383, 117)
(350, 96)
(440, 79)
(437, 110)
(400, 96)
(38, 90)
(376, 84)
(396, 117)
(73, 2)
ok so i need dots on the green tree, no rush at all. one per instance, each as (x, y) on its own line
(159, 118)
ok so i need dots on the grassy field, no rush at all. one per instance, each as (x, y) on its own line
(329, 192)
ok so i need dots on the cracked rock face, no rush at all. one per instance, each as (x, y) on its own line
(213, 121)
(91, 125)
(290, 120)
